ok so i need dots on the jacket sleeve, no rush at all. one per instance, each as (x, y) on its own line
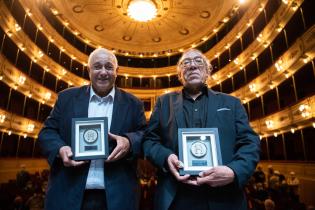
(136, 136)
(152, 146)
(49, 137)
(247, 147)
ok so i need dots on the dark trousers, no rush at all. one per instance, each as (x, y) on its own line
(190, 197)
(94, 199)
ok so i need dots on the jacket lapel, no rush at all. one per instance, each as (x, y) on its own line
(119, 112)
(213, 103)
(178, 110)
(81, 102)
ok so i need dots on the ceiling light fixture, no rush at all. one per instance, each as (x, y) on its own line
(142, 10)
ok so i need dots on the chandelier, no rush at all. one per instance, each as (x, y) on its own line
(141, 10)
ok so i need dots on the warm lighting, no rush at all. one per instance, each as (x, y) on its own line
(285, 1)
(39, 27)
(249, 23)
(9, 33)
(30, 127)
(47, 96)
(40, 54)
(21, 46)
(21, 80)
(252, 88)
(266, 44)
(269, 124)
(236, 61)
(313, 124)
(17, 27)
(2, 118)
(25, 136)
(28, 12)
(9, 133)
(226, 19)
(278, 65)
(242, 1)
(259, 38)
(142, 10)
(292, 130)
(205, 38)
(63, 72)
(279, 28)
(54, 11)
(271, 85)
(275, 134)
(304, 110)
(305, 58)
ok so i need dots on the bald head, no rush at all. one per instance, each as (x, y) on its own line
(102, 51)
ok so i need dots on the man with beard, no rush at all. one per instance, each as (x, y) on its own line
(196, 106)
(96, 184)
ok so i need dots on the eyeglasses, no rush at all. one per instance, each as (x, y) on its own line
(107, 66)
(188, 61)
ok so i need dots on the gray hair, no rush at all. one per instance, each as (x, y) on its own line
(209, 67)
(102, 50)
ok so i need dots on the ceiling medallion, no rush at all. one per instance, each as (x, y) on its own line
(156, 39)
(205, 14)
(77, 9)
(98, 28)
(141, 10)
(127, 38)
(184, 31)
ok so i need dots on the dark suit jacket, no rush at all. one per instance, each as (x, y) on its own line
(67, 184)
(240, 146)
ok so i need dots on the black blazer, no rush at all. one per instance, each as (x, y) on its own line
(240, 146)
(67, 184)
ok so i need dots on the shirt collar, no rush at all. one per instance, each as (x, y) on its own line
(203, 88)
(94, 96)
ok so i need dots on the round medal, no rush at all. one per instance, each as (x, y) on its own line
(198, 149)
(90, 136)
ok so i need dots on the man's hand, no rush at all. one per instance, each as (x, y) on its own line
(174, 164)
(216, 176)
(122, 148)
(65, 153)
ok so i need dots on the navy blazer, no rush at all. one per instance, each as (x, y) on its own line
(67, 184)
(240, 146)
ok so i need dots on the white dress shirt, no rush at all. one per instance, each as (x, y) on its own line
(99, 107)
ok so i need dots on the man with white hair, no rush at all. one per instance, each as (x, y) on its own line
(196, 106)
(96, 184)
